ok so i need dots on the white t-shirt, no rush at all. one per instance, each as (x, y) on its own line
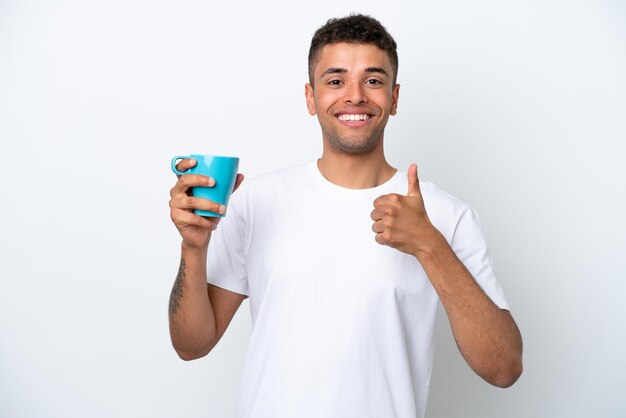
(342, 326)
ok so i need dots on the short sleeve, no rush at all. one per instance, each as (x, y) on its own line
(469, 244)
(226, 259)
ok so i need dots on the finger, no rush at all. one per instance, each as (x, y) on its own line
(377, 214)
(378, 227)
(238, 181)
(381, 200)
(185, 164)
(380, 239)
(183, 218)
(414, 183)
(191, 202)
(187, 181)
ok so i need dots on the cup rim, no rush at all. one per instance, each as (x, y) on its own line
(214, 156)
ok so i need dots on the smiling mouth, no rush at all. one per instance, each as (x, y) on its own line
(353, 117)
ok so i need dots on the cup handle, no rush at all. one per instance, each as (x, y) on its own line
(179, 157)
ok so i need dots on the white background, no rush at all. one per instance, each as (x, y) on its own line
(516, 107)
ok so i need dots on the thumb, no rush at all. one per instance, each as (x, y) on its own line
(414, 183)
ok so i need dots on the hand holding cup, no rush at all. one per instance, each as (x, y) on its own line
(200, 197)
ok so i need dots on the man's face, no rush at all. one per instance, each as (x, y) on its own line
(353, 96)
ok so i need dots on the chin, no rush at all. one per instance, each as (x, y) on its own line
(355, 146)
(354, 149)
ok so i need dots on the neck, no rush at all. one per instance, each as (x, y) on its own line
(360, 171)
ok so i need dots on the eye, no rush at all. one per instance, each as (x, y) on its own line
(373, 81)
(334, 82)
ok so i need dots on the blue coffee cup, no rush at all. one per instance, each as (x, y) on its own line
(220, 168)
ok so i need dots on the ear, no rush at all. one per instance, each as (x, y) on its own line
(395, 92)
(310, 99)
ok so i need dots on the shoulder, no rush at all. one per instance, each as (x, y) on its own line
(271, 185)
(444, 210)
(442, 199)
(436, 199)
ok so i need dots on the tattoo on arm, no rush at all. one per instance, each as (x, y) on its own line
(177, 290)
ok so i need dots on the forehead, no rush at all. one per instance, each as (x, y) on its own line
(351, 57)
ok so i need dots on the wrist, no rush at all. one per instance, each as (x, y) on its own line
(432, 242)
(194, 250)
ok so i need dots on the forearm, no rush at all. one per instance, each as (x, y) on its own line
(486, 335)
(191, 318)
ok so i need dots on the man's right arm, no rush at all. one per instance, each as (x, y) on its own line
(199, 313)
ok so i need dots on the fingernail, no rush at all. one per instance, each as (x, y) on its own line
(211, 182)
(222, 209)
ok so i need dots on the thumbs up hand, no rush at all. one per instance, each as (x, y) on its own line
(400, 221)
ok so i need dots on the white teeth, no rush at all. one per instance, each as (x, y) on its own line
(351, 117)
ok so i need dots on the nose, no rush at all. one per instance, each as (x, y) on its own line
(354, 93)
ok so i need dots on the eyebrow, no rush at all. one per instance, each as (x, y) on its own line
(335, 70)
(376, 70)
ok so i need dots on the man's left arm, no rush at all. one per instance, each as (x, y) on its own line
(486, 335)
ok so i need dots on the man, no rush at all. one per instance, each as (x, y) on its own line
(344, 260)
